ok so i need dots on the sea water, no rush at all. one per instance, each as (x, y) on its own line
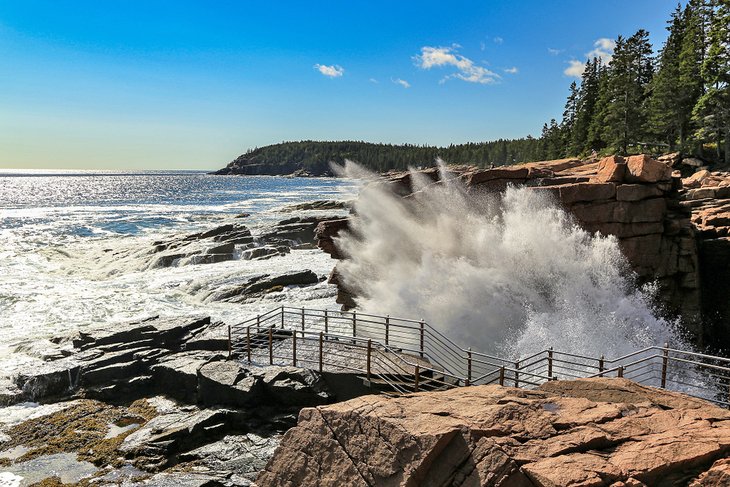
(58, 230)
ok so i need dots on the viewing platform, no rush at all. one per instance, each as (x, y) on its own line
(399, 356)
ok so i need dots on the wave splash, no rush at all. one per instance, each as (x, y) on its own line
(510, 274)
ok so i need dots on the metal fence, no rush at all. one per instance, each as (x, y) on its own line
(401, 355)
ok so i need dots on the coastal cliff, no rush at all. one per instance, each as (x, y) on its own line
(672, 232)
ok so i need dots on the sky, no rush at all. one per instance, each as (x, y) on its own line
(193, 84)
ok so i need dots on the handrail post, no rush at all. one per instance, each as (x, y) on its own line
(271, 346)
(620, 371)
(468, 367)
(354, 325)
(423, 331)
(294, 347)
(501, 375)
(601, 365)
(517, 373)
(230, 346)
(550, 362)
(370, 352)
(326, 322)
(282, 317)
(248, 344)
(387, 328)
(302, 319)
(665, 362)
(258, 324)
(321, 353)
(417, 374)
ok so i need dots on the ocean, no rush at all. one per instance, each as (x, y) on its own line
(59, 230)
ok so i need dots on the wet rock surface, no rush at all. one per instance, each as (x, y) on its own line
(154, 403)
(257, 286)
(215, 245)
(597, 432)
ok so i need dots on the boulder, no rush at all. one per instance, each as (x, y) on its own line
(696, 179)
(644, 169)
(671, 160)
(48, 380)
(258, 285)
(717, 476)
(180, 430)
(177, 374)
(246, 455)
(294, 386)
(265, 252)
(227, 383)
(611, 169)
(325, 234)
(589, 432)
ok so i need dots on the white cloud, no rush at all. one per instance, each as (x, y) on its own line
(498, 40)
(402, 82)
(554, 52)
(373, 80)
(437, 57)
(512, 70)
(575, 69)
(603, 49)
(483, 46)
(333, 71)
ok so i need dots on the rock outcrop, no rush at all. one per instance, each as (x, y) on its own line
(591, 432)
(708, 198)
(257, 286)
(637, 199)
(217, 244)
(152, 400)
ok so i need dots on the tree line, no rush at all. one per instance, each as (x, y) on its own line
(315, 156)
(678, 99)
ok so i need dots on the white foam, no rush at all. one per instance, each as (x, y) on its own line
(505, 275)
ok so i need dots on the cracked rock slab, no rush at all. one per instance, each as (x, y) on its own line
(590, 432)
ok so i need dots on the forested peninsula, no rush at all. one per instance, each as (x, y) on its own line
(676, 99)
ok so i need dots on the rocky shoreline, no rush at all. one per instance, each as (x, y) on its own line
(158, 402)
(155, 402)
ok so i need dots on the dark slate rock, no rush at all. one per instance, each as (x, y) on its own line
(49, 380)
(227, 383)
(177, 375)
(294, 386)
(181, 430)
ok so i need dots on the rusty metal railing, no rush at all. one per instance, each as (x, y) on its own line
(404, 355)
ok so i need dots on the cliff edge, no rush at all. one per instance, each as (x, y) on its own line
(590, 432)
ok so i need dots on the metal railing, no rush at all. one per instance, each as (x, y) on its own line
(402, 355)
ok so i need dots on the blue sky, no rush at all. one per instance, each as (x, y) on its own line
(193, 84)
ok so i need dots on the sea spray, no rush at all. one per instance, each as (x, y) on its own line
(511, 274)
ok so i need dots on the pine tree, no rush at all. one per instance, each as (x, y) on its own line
(712, 112)
(691, 56)
(631, 71)
(597, 129)
(567, 125)
(585, 108)
(665, 114)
